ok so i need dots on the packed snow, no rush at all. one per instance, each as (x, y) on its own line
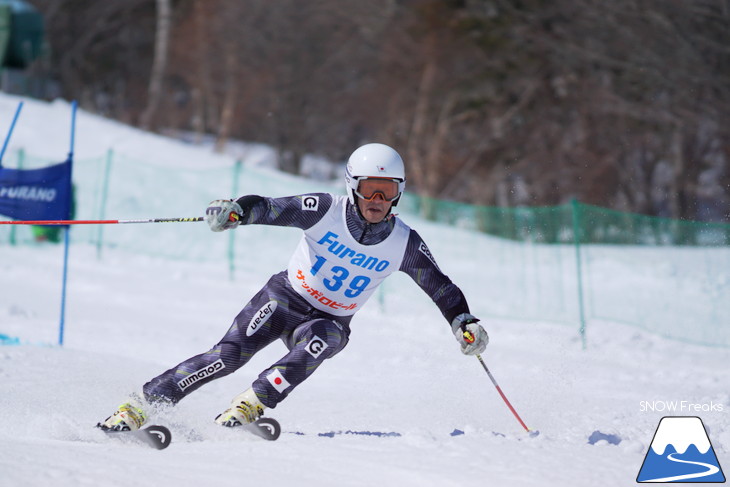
(133, 311)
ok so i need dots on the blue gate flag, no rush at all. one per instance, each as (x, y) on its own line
(36, 194)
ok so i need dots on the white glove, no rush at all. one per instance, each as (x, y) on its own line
(223, 215)
(470, 334)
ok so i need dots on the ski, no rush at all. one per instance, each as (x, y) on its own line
(155, 435)
(389, 434)
(377, 434)
(267, 428)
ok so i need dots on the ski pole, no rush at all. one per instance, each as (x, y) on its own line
(506, 401)
(102, 222)
(469, 337)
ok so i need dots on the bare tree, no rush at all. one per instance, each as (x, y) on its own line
(159, 62)
(622, 103)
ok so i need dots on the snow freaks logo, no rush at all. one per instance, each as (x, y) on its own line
(680, 452)
(685, 407)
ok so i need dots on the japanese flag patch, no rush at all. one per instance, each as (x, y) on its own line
(278, 381)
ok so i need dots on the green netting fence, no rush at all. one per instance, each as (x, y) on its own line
(575, 264)
(669, 277)
(569, 223)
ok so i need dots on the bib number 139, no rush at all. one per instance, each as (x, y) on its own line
(355, 286)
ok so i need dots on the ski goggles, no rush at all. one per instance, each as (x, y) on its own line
(368, 188)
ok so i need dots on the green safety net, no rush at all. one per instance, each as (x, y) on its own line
(574, 264)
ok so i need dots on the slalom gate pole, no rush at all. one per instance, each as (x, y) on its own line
(102, 222)
(67, 229)
(10, 131)
(506, 401)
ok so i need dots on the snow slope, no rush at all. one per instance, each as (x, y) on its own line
(130, 316)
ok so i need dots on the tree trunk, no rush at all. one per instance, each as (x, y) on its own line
(675, 152)
(229, 99)
(162, 38)
(416, 138)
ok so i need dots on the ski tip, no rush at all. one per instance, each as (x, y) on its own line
(158, 437)
(267, 428)
(155, 436)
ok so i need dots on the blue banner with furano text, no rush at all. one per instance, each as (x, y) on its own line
(36, 194)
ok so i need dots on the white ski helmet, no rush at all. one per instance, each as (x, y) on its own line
(374, 161)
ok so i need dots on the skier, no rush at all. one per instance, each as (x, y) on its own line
(350, 245)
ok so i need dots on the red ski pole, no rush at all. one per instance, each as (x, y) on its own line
(506, 401)
(470, 338)
(102, 222)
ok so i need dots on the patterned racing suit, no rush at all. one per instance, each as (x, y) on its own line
(340, 261)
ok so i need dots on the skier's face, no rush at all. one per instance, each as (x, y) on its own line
(374, 210)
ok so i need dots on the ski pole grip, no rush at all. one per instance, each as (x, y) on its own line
(468, 336)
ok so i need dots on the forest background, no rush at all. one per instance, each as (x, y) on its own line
(621, 103)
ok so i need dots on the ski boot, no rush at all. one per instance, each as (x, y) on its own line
(129, 416)
(245, 409)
